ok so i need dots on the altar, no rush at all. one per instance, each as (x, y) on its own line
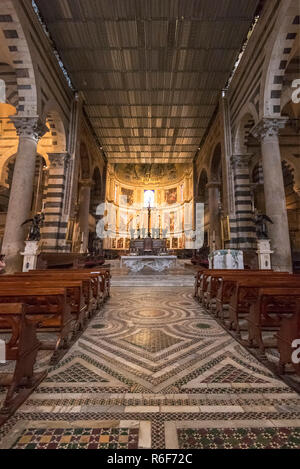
(157, 263)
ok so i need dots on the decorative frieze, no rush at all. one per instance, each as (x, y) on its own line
(59, 160)
(241, 161)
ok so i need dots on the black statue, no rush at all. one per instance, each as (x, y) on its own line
(261, 221)
(35, 228)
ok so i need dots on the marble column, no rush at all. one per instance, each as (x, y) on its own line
(84, 210)
(29, 131)
(55, 225)
(213, 189)
(267, 131)
(244, 233)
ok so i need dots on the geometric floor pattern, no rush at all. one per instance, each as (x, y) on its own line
(154, 370)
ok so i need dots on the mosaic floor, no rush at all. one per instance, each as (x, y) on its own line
(153, 370)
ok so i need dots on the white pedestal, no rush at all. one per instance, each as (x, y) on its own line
(30, 254)
(226, 259)
(264, 254)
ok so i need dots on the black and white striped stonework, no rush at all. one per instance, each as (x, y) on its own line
(9, 76)
(243, 232)
(55, 225)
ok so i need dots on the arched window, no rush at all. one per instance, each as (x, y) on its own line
(149, 198)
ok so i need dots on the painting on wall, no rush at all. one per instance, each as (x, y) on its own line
(175, 243)
(127, 243)
(120, 243)
(171, 196)
(172, 222)
(180, 243)
(113, 243)
(127, 196)
(226, 229)
(168, 244)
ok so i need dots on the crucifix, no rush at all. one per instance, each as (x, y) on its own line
(149, 220)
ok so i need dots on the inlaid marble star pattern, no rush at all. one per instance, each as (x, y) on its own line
(154, 369)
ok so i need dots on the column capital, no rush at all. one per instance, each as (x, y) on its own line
(29, 127)
(58, 160)
(241, 161)
(269, 127)
(213, 185)
(86, 182)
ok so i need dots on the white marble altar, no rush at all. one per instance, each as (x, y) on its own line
(226, 259)
(157, 263)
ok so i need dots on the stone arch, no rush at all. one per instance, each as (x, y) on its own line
(57, 123)
(85, 164)
(291, 74)
(215, 172)
(96, 191)
(15, 52)
(201, 186)
(289, 162)
(5, 169)
(4, 161)
(243, 132)
(277, 58)
(9, 87)
(54, 141)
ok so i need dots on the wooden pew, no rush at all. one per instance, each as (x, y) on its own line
(103, 274)
(245, 291)
(267, 312)
(288, 332)
(78, 301)
(47, 306)
(224, 285)
(23, 348)
(203, 281)
(217, 279)
(210, 283)
(198, 277)
(90, 283)
(59, 260)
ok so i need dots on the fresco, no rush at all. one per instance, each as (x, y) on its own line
(171, 196)
(127, 196)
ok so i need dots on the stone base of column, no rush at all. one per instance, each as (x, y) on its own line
(264, 254)
(13, 257)
(30, 254)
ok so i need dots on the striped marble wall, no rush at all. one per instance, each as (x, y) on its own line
(56, 224)
(243, 232)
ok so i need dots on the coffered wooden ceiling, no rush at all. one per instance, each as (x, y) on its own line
(151, 71)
